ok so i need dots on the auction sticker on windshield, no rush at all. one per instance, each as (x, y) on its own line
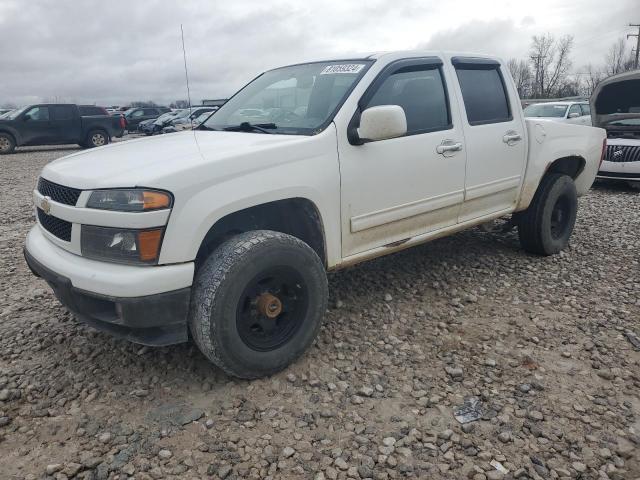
(344, 68)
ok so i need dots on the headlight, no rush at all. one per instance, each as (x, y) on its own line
(129, 200)
(141, 247)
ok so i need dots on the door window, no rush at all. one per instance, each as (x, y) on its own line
(40, 114)
(62, 112)
(420, 91)
(574, 109)
(586, 110)
(89, 110)
(484, 94)
(137, 113)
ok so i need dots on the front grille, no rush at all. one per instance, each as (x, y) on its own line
(623, 153)
(56, 226)
(58, 193)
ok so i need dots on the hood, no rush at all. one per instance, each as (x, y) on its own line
(160, 161)
(615, 103)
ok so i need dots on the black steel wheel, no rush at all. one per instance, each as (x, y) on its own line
(258, 302)
(272, 308)
(546, 226)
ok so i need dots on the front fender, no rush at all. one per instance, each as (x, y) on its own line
(13, 132)
(309, 172)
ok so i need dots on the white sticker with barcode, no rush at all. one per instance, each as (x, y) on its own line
(342, 68)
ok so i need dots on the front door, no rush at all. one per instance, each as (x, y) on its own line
(395, 189)
(37, 128)
(494, 136)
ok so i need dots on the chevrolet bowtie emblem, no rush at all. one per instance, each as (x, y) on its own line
(45, 206)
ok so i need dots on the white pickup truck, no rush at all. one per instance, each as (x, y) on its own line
(227, 232)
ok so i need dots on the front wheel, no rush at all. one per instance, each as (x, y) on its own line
(545, 227)
(7, 144)
(258, 302)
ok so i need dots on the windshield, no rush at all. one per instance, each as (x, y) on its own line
(545, 110)
(634, 121)
(297, 100)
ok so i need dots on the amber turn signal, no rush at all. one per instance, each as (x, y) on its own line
(149, 244)
(154, 200)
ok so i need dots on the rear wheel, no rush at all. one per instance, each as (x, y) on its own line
(258, 303)
(7, 144)
(96, 138)
(545, 227)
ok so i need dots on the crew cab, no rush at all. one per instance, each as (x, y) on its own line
(227, 231)
(58, 124)
(616, 108)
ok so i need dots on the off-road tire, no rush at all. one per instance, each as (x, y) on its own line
(96, 138)
(538, 233)
(7, 144)
(220, 284)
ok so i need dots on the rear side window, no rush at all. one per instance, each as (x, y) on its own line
(62, 112)
(484, 94)
(89, 110)
(150, 111)
(420, 91)
(586, 110)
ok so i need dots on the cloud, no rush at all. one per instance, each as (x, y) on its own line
(123, 50)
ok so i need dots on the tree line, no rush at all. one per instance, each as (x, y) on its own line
(546, 73)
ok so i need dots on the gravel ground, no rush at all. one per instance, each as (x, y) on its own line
(544, 345)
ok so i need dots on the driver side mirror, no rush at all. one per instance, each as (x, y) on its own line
(574, 115)
(382, 123)
(26, 118)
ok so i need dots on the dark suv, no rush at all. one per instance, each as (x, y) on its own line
(134, 116)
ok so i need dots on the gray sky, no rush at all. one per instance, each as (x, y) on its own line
(118, 51)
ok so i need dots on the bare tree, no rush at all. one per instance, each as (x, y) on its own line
(521, 76)
(593, 76)
(550, 63)
(618, 59)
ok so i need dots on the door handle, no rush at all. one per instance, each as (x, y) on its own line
(511, 137)
(448, 146)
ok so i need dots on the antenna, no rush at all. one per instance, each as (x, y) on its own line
(186, 73)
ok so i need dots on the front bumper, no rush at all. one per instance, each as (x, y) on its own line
(619, 170)
(149, 318)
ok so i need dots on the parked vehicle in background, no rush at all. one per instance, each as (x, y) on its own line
(231, 235)
(4, 110)
(615, 104)
(154, 125)
(185, 120)
(134, 116)
(56, 124)
(7, 112)
(568, 112)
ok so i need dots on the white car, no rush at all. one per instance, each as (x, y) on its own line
(616, 107)
(567, 112)
(227, 231)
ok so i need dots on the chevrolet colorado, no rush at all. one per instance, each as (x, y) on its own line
(225, 233)
(58, 124)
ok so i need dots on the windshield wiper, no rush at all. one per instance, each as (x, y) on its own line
(251, 127)
(202, 126)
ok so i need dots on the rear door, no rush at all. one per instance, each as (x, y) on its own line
(66, 123)
(399, 188)
(494, 134)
